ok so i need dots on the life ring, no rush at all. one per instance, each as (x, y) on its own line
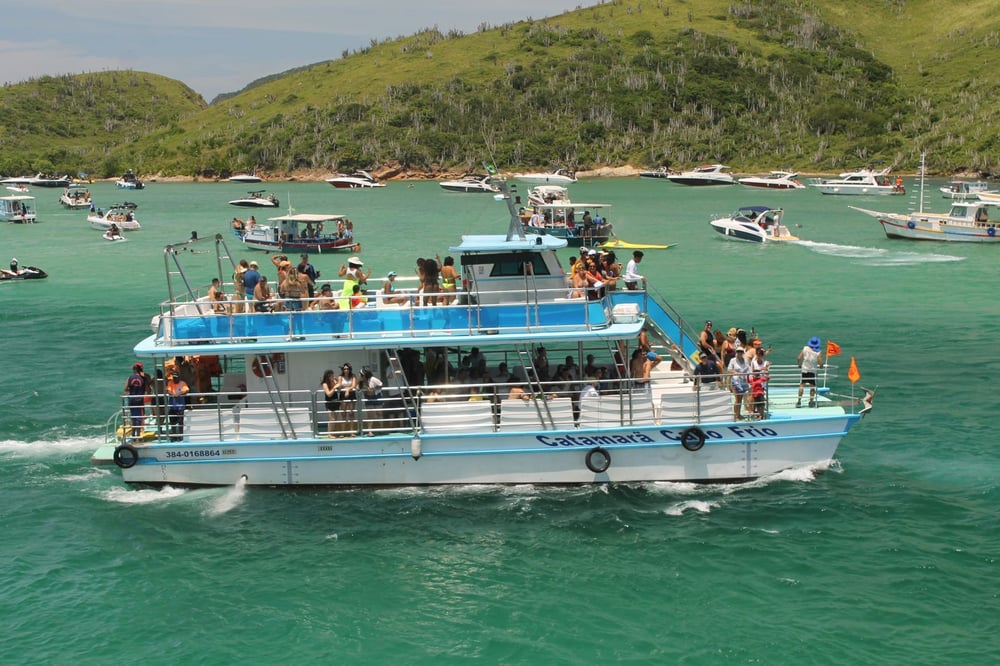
(693, 438)
(604, 460)
(991, 231)
(911, 224)
(126, 456)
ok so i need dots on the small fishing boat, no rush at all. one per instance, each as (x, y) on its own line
(359, 180)
(121, 215)
(964, 189)
(755, 224)
(580, 224)
(18, 209)
(299, 232)
(256, 200)
(966, 221)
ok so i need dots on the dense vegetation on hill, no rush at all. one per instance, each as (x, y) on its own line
(753, 83)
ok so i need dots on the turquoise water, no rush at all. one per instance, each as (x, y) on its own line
(890, 556)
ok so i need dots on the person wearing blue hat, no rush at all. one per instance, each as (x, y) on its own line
(810, 361)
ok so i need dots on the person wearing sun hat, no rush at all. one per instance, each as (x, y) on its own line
(810, 361)
(353, 275)
(389, 294)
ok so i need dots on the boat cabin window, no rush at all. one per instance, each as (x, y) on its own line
(508, 264)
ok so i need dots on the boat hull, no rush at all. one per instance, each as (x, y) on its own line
(467, 188)
(254, 203)
(934, 231)
(699, 182)
(733, 452)
(771, 185)
(859, 190)
(312, 246)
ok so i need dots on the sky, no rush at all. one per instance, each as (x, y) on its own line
(219, 46)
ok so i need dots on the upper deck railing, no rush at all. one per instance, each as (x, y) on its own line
(201, 321)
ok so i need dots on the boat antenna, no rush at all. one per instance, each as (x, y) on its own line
(923, 172)
(515, 229)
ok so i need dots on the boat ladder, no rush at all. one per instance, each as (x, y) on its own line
(405, 390)
(534, 383)
(276, 396)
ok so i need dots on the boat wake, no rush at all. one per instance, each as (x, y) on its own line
(874, 256)
(141, 496)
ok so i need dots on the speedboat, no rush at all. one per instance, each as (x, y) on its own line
(540, 195)
(39, 180)
(964, 189)
(21, 188)
(775, 180)
(755, 224)
(580, 224)
(358, 180)
(245, 178)
(862, 181)
(121, 215)
(18, 209)
(18, 272)
(256, 200)
(268, 424)
(989, 197)
(470, 183)
(707, 174)
(129, 181)
(75, 198)
(554, 177)
(658, 173)
(300, 232)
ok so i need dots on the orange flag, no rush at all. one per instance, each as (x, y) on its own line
(852, 372)
(832, 348)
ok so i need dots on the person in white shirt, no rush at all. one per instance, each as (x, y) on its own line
(739, 382)
(632, 276)
(810, 361)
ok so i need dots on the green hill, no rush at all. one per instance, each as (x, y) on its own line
(758, 84)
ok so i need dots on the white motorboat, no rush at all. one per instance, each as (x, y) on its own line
(39, 180)
(754, 224)
(75, 198)
(964, 189)
(20, 189)
(554, 177)
(18, 209)
(121, 215)
(129, 181)
(471, 183)
(256, 200)
(989, 197)
(707, 174)
(540, 195)
(359, 180)
(245, 178)
(295, 233)
(775, 180)
(860, 182)
(659, 173)
(267, 424)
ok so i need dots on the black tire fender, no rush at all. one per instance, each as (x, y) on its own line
(603, 460)
(126, 456)
(693, 438)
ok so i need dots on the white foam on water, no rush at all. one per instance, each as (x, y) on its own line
(699, 506)
(141, 495)
(228, 501)
(48, 448)
(876, 256)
